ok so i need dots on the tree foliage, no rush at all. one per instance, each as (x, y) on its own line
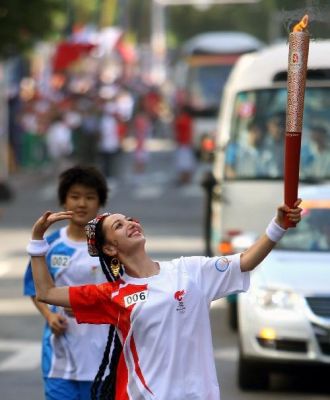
(22, 22)
(268, 19)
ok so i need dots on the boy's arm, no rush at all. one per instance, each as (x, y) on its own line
(56, 321)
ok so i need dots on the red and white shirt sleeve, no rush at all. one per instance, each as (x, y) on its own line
(92, 304)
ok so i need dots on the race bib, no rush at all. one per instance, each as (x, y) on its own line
(59, 261)
(135, 298)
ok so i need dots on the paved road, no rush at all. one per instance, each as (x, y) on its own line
(173, 221)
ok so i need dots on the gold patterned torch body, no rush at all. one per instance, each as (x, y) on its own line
(297, 70)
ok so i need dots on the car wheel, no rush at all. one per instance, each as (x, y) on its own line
(252, 375)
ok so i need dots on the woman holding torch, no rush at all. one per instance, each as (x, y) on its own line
(160, 309)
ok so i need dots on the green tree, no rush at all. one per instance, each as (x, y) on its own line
(22, 22)
(268, 20)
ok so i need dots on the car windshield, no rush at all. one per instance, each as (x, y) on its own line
(256, 146)
(206, 84)
(311, 234)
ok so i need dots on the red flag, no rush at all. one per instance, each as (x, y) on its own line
(66, 53)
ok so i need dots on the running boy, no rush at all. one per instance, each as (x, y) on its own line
(72, 353)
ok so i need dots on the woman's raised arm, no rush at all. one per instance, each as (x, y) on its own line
(46, 291)
(275, 230)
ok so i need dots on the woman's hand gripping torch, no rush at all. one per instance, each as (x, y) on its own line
(297, 69)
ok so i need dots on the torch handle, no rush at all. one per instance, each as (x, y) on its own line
(291, 171)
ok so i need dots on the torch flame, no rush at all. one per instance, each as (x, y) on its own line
(302, 24)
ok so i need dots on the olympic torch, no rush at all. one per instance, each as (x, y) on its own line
(297, 69)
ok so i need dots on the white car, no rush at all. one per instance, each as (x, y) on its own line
(284, 318)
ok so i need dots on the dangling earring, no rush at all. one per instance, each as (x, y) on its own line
(115, 266)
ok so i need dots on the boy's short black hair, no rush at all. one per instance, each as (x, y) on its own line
(83, 175)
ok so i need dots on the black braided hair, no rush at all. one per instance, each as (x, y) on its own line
(105, 389)
(109, 383)
(95, 389)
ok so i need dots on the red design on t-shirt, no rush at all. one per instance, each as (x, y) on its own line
(105, 303)
(179, 295)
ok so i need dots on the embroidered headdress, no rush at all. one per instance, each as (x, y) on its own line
(90, 233)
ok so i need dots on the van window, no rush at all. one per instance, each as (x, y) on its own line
(257, 137)
(205, 85)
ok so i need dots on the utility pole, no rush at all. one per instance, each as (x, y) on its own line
(158, 42)
(106, 10)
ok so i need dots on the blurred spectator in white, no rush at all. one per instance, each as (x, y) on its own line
(142, 131)
(109, 142)
(124, 110)
(124, 105)
(72, 118)
(59, 143)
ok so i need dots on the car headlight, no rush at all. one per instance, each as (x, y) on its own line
(276, 298)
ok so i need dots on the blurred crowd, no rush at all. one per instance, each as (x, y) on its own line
(87, 127)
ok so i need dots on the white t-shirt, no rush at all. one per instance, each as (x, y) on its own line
(59, 140)
(163, 322)
(109, 137)
(77, 353)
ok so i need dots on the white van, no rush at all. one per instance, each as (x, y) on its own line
(201, 72)
(250, 141)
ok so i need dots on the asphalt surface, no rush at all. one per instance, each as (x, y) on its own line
(173, 218)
